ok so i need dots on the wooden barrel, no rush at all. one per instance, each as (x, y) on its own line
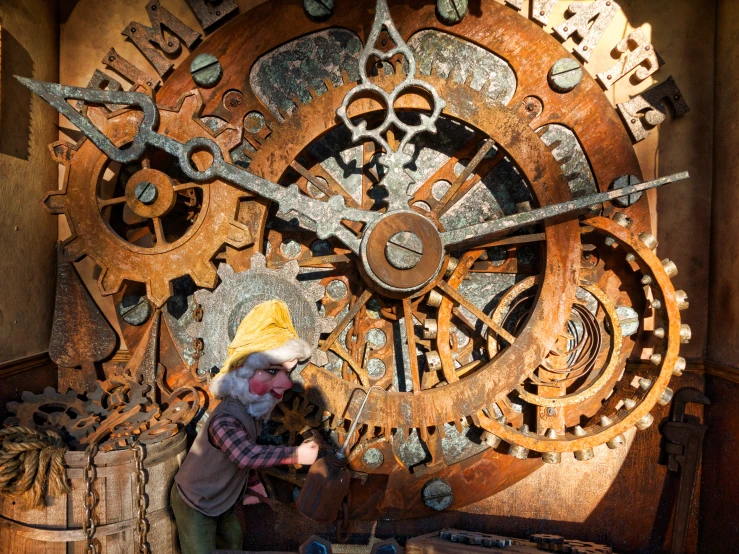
(57, 528)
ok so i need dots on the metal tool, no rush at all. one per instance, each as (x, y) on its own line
(684, 446)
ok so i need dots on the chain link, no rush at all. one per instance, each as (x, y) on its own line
(90, 498)
(139, 481)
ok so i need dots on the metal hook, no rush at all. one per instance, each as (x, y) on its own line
(341, 453)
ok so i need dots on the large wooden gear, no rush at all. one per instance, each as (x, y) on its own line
(498, 354)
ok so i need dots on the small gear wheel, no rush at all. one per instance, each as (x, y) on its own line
(238, 293)
(137, 222)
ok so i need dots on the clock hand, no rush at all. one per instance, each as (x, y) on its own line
(483, 232)
(326, 215)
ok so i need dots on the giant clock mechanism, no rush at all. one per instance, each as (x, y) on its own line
(449, 204)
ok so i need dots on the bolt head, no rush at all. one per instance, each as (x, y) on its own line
(146, 193)
(319, 9)
(206, 70)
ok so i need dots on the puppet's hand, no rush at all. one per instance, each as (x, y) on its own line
(307, 452)
(251, 500)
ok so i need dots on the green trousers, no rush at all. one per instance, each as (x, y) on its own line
(201, 534)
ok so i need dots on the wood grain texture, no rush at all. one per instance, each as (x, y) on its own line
(56, 528)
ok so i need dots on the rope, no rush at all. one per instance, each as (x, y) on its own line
(32, 465)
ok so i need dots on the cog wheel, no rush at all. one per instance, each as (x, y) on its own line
(630, 403)
(238, 293)
(48, 410)
(121, 217)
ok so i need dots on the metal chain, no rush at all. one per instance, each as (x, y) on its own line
(139, 481)
(90, 473)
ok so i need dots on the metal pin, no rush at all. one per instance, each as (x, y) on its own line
(430, 329)
(645, 422)
(685, 333)
(623, 220)
(434, 299)
(519, 451)
(682, 300)
(646, 280)
(630, 257)
(616, 442)
(657, 304)
(610, 241)
(645, 384)
(433, 360)
(670, 267)
(586, 453)
(490, 440)
(667, 394)
(656, 359)
(649, 240)
(451, 266)
(551, 457)
(659, 332)
(680, 365)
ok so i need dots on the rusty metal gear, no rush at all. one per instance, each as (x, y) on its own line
(94, 188)
(225, 307)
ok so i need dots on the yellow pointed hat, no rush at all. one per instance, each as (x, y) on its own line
(266, 327)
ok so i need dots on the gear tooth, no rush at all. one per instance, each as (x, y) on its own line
(327, 324)
(55, 202)
(290, 270)
(62, 151)
(159, 292)
(28, 396)
(110, 281)
(239, 235)
(225, 272)
(74, 248)
(258, 261)
(228, 139)
(13, 407)
(319, 358)
(203, 296)
(204, 274)
(315, 292)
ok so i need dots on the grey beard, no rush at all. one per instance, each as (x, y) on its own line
(235, 385)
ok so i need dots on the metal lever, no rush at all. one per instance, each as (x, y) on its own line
(683, 446)
(341, 453)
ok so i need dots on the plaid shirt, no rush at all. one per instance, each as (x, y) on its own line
(228, 434)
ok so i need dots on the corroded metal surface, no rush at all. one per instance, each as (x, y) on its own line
(505, 344)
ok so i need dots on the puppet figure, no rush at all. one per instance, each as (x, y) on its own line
(220, 468)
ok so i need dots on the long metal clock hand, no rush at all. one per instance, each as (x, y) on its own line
(483, 232)
(326, 215)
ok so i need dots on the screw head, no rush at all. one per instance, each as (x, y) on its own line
(565, 75)
(625, 181)
(437, 494)
(451, 12)
(404, 250)
(146, 193)
(134, 309)
(206, 70)
(319, 9)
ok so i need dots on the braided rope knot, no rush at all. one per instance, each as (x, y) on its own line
(32, 465)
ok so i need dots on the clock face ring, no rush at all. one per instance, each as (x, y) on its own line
(491, 350)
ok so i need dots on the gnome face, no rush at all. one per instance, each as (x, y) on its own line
(274, 380)
(264, 349)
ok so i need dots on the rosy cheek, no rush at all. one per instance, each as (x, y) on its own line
(258, 386)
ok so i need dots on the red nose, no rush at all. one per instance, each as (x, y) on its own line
(282, 382)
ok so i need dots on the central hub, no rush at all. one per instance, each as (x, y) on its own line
(402, 251)
(150, 193)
